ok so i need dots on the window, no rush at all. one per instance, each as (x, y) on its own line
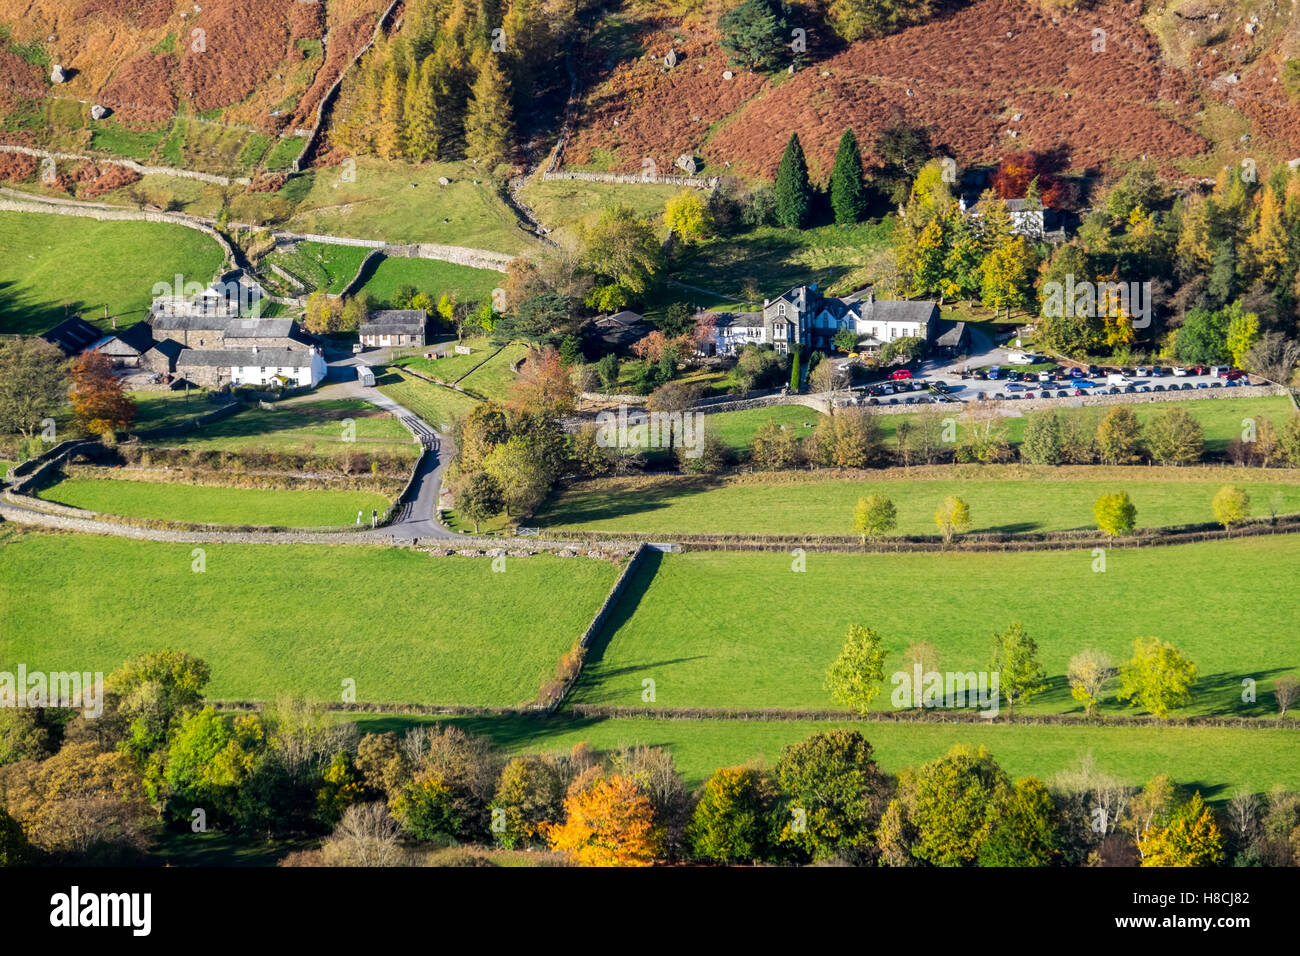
(780, 309)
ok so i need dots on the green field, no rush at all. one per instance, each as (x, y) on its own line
(432, 276)
(276, 619)
(492, 379)
(736, 429)
(1215, 761)
(1004, 499)
(563, 204)
(380, 203)
(60, 265)
(1221, 418)
(317, 427)
(451, 367)
(208, 504)
(169, 409)
(747, 630)
(437, 405)
(320, 266)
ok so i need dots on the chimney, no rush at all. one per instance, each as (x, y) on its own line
(254, 349)
(871, 296)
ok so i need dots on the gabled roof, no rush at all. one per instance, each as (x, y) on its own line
(898, 310)
(260, 329)
(73, 335)
(230, 358)
(626, 317)
(952, 337)
(394, 321)
(743, 319)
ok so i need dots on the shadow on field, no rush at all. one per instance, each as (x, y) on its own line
(594, 677)
(600, 505)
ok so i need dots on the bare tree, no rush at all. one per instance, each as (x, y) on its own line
(366, 836)
(1243, 818)
(1274, 357)
(1286, 690)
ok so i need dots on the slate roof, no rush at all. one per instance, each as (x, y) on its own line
(394, 322)
(73, 335)
(234, 358)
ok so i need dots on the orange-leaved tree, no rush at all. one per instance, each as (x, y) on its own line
(99, 404)
(608, 823)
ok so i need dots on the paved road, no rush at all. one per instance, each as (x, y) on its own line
(418, 517)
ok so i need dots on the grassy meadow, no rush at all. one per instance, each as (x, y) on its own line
(749, 630)
(275, 619)
(1009, 499)
(57, 266)
(210, 504)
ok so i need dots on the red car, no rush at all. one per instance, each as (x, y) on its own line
(899, 374)
(1233, 374)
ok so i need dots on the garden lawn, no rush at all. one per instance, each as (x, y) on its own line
(736, 429)
(316, 427)
(1214, 760)
(451, 367)
(1005, 499)
(299, 619)
(209, 504)
(56, 266)
(748, 630)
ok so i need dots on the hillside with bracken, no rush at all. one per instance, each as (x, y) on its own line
(260, 65)
(1188, 84)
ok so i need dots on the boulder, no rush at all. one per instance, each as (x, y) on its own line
(98, 112)
(444, 181)
(727, 74)
(686, 162)
(58, 74)
(670, 60)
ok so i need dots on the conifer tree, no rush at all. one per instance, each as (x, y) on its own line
(848, 191)
(489, 130)
(793, 190)
(422, 133)
(388, 129)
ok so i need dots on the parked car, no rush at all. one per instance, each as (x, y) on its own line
(1233, 374)
(1015, 387)
(1141, 371)
(900, 374)
(1020, 358)
(1044, 376)
(1179, 371)
(1156, 371)
(358, 348)
(1084, 383)
(994, 370)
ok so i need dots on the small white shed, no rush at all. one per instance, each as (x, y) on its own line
(365, 376)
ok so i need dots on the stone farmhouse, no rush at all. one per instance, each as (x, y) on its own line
(804, 317)
(393, 327)
(290, 368)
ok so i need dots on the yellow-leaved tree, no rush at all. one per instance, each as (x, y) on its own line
(608, 823)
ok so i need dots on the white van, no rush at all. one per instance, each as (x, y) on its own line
(1019, 358)
(1115, 378)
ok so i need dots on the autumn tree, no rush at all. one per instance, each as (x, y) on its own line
(622, 251)
(1088, 674)
(1191, 838)
(732, 820)
(1231, 506)
(1116, 514)
(99, 404)
(489, 129)
(687, 216)
(33, 383)
(856, 677)
(873, 516)
(1157, 677)
(155, 691)
(610, 822)
(952, 517)
(1174, 437)
(1015, 659)
(544, 386)
(1119, 436)
(774, 447)
(1286, 691)
(529, 799)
